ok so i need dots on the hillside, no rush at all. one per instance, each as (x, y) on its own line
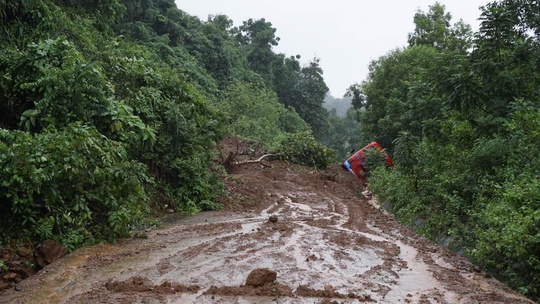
(321, 238)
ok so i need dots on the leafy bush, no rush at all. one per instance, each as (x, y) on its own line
(395, 191)
(508, 230)
(187, 130)
(256, 113)
(508, 224)
(51, 84)
(73, 185)
(302, 148)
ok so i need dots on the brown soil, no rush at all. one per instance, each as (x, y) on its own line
(287, 234)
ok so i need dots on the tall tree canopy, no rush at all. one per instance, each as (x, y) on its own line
(434, 29)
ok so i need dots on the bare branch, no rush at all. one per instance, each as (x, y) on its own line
(254, 161)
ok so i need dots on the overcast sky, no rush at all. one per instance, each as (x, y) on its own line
(346, 35)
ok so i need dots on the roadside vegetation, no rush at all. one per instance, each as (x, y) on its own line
(460, 113)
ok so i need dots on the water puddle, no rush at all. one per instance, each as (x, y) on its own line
(308, 245)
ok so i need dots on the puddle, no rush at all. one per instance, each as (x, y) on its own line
(308, 245)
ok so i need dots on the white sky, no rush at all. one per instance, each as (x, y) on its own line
(345, 34)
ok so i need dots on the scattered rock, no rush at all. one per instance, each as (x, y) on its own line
(273, 219)
(311, 258)
(24, 251)
(261, 276)
(329, 288)
(48, 252)
(367, 194)
(10, 276)
(24, 272)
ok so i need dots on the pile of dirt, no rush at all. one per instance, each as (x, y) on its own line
(252, 179)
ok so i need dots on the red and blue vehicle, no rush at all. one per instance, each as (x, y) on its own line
(357, 163)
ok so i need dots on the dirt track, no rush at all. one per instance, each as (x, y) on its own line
(324, 241)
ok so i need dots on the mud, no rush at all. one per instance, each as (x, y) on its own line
(324, 241)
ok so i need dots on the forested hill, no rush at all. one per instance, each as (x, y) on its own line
(112, 109)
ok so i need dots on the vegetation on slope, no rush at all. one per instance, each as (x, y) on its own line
(110, 114)
(460, 113)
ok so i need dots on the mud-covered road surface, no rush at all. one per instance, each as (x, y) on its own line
(305, 236)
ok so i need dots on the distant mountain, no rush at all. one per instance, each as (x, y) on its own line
(341, 105)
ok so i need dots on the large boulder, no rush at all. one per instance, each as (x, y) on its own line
(261, 276)
(48, 252)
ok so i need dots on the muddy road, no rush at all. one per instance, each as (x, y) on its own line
(311, 236)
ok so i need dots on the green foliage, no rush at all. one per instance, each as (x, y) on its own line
(23, 20)
(291, 122)
(398, 96)
(55, 86)
(187, 131)
(343, 134)
(303, 149)
(3, 266)
(73, 185)
(464, 128)
(433, 29)
(405, 151)
(104, 11)
(313, 90)
(259, 37)
(396, 192)
(95, 94)
(508, 232)
(256, 114)
(507, 225)
(51, 84)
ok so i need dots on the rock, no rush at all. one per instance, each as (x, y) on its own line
(24, 251)
(329, 288)
(48, 252)
(273, 219)
(10, 276)
(23, 272)
(367, 194)
(261, 276)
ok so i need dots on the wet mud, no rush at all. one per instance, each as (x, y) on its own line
(314, 233)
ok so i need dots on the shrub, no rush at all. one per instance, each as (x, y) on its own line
(302, 148)
(73, 185)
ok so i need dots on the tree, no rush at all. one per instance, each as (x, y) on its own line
(398, 95)
(286, 79)
(313, 90)
(433, 29)
(344, 133)
(465, 124)
(506, 58)
(259, 38)
(256, 113)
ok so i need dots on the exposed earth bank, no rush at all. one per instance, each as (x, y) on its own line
(287, 235)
